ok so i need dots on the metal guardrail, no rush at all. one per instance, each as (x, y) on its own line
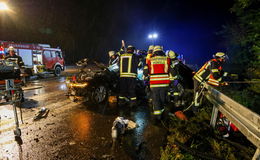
(247, 121)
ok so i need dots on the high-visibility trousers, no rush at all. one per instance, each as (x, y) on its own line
(127, 86)
(176, 94)
(197, 90)
(159, 96)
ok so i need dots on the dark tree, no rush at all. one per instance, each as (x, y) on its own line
(243, 40)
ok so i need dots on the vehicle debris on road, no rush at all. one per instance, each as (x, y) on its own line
(43, 113)
(120, 125)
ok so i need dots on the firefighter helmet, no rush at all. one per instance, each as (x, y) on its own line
(111, 53)
(130, 49)
(171, 54)
(157, 48)
(220, 55)
(151, 47)
(11, 48)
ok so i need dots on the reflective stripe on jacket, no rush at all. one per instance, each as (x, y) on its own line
(210, 72)
(128, 65)
(148, 57)
(158, 69)
(174, 72)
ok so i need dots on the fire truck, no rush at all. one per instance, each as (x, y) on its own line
(37, 58)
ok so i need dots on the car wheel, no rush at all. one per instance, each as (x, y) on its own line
(57, 71)
(99, 94)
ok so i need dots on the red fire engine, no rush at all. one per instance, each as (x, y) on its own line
(38, 58)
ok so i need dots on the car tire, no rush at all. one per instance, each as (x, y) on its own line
(99, 94)
(57, 71)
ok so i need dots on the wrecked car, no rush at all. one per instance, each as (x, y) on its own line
(89, 85)
(96, 86)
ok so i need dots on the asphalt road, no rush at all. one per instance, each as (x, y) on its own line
(75, 131)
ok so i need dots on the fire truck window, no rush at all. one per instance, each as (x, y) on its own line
(47, 54)
(58, 54)
(53, 54)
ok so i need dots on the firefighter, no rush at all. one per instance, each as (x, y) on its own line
(211, 73)
(113, 58)
(142, 59)
(175, 85)
(128, 65)
(149, 53)
(146, 80)
(158, 69)
(13, 57)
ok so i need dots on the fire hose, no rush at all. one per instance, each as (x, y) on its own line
(203, 87)
(243, 82)
(231, 82)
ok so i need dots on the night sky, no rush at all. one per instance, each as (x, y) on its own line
(90, 28)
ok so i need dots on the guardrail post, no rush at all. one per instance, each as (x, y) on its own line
(257, 154)
(214, 116)
(243, 118)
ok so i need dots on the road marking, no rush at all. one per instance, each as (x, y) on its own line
(32, 88)
(65, 105)
(4, 122)
(7, 142)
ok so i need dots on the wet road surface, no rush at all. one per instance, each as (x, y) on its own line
(75, 131)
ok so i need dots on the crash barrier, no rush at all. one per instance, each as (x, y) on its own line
(247, 121)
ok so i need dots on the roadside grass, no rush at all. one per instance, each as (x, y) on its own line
(196, 139)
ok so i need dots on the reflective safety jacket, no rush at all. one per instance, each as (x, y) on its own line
(128, 65)
(113, 60)
(174, 72)
(158, 69)
(148, 57)
(15, 58)
(211, 72)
